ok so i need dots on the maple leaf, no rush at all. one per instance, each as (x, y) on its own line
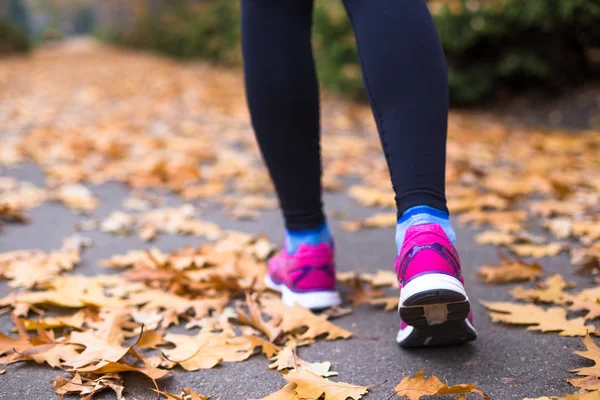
(417, 386)
(509, 271)
(551, 291)
(550, 320)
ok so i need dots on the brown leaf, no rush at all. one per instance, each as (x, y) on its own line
(269, 349)
(362, 293)
(88, 387)
(256, 320)
(150, 340)
(551, 291)
(312, 386)
(592, 352)
(550, 320)
(303, 322)
(509, 271)
(537, 251)
(417, 386)
(381, 278)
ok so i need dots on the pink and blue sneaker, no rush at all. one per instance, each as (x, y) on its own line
(434, 307)
(306, 277)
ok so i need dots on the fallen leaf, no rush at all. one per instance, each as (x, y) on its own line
(255, 319)
(592, 352)
(537, 251)
(311, 386)
(302, 322)
(551, 291)
(418, 386)
(550, 320)
(509, 271)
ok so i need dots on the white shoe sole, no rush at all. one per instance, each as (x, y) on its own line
(436, 308)
(317, 300)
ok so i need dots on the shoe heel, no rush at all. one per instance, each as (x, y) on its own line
(433, 299)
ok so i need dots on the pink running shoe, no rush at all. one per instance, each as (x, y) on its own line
(306, 278)
(434, 307)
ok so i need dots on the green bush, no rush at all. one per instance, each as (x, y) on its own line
(12, 39)
(208, 30)
(490, 45)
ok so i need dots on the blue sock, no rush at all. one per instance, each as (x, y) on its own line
(419, 215)
(294, 239)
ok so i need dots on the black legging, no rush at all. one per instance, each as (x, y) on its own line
(406, 79)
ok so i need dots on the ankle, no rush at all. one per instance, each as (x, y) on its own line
(315, 236)
(420, 215)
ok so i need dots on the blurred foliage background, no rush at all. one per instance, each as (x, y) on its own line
(494, 48)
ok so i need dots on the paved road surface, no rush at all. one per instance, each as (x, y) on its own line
(507, 362)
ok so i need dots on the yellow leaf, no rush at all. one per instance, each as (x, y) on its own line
(311, 386)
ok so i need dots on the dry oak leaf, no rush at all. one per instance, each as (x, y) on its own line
(388, 303)
(378, 220)
(255, 319)
(587, 258)
(589, 383)
(591, 306)
(504, 221)
(312, 386)
(287, 392)
(287, 358)
(509, 271)
(150, 340)
(269, 349)
(186, 394)
(537, 251)
(158, 299)
(417, 386)
(96, 349)
(381, 278)
(369, 196)
(73, 321)
(362, 293)
(109, 367)
(77, 197)
(551, 207)
(206, 349)
(302, 322)
(551, 320)
(86, 387)
(551, 291)
(496, 238)
(592, 352)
